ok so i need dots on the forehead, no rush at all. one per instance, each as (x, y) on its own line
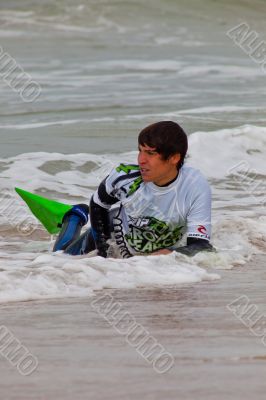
(146, 147)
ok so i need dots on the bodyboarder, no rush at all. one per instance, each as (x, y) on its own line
(145, 208)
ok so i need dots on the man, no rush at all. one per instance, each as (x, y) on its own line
(146, 208)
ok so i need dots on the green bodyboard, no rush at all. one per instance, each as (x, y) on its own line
(49, 212)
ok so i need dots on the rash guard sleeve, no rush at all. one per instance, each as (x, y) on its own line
(199, 215)
(116, 185)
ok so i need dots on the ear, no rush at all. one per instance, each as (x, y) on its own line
(175, 158)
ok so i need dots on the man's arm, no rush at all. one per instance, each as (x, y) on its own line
(109, 192)
(198, 219)
(99, 227)
(194, 246)
(99, 217)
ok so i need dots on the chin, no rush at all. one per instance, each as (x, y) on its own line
(146, 179)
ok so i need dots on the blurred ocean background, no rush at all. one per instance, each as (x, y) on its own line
(107, 69)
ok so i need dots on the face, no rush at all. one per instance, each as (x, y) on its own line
(154, 169)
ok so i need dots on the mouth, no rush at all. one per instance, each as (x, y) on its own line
(144, 171)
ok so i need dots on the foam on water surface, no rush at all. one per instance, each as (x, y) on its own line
(58, 275)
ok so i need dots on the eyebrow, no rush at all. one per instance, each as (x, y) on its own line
(151, 150)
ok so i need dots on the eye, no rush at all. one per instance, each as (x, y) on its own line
(151, 153)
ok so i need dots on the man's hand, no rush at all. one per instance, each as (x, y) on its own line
(160, 252)
(102, 247)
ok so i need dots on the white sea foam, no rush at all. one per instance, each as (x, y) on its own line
(221, 153)
(59, 275)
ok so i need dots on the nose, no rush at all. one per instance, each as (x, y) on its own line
(142, 159)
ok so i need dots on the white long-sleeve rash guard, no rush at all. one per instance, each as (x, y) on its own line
(150, 217)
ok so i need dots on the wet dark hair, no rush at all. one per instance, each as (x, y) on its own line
(167, 137)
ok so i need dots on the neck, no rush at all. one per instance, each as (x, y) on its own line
(167, 181)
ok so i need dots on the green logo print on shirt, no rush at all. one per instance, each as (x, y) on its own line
(149, 234)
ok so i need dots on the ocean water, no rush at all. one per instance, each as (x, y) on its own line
(107, 69)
